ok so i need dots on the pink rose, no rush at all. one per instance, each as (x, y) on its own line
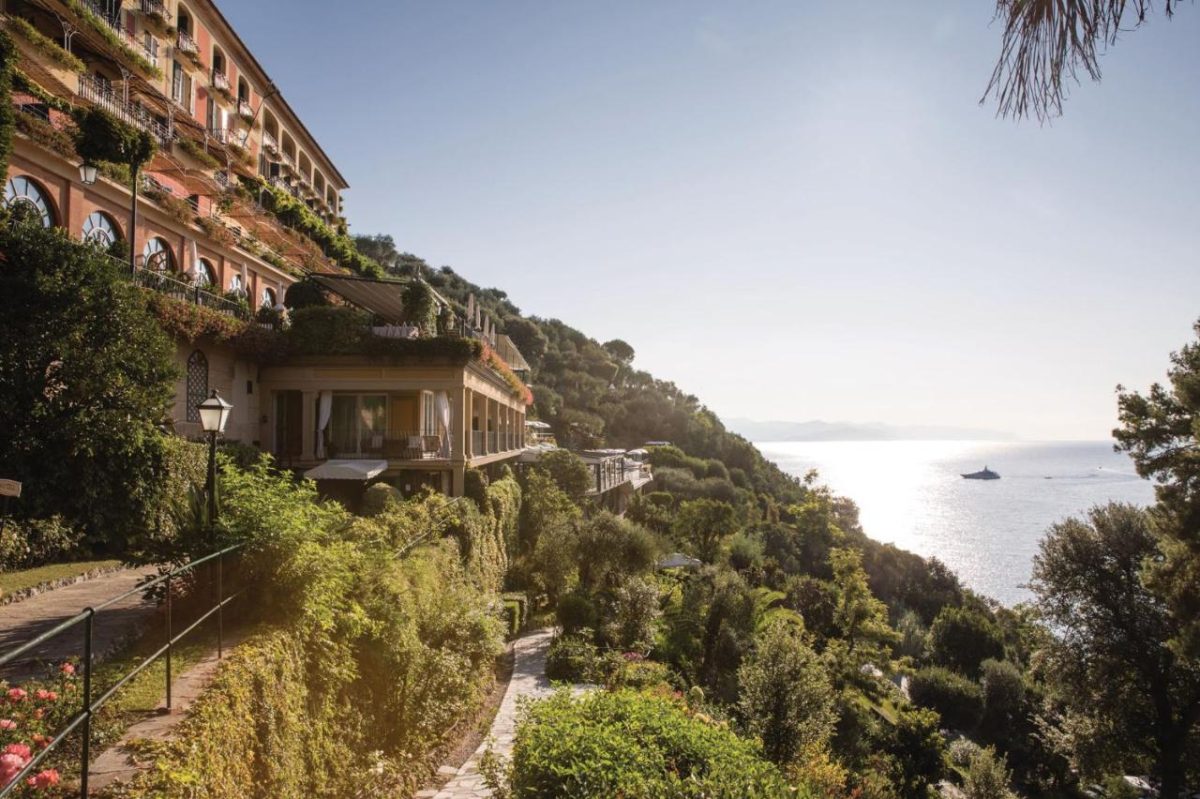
(45, 696)
(68, 669)
(7, 724)
(16, 695)
(20, 750)
(10, 766)
(44, 779)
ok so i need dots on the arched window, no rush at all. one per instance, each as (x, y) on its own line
(206, 273)
(243, 90)
(268, 298)
(235, 283)
(100, 229)
(156, 256)
(26, 197)
(197, 383)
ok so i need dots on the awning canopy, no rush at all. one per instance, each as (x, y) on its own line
(384, 298)
(347, 470)
(536, 424)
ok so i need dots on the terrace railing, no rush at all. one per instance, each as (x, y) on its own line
(172, 286)
(102, 94)
(186, 44)
(90, 703)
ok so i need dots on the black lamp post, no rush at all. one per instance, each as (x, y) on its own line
(214, 413)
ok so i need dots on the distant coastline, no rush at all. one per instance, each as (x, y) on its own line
(817, 430)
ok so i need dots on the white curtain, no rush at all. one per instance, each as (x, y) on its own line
(324, 411)
(441, 403)
(195, 256)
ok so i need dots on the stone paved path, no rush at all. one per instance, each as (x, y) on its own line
(528, 679)
(24, 620)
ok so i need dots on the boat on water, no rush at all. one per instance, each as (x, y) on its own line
(986, 474)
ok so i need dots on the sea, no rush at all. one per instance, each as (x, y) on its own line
(912, 494)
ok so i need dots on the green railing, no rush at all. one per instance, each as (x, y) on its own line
(82, 719)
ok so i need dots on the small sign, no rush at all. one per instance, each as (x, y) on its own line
(10, 488)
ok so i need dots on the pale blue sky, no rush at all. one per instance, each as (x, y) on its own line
(794, 210)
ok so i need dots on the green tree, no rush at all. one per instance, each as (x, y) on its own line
(786, 698)
(528, 337)
(862, 620)
(1124, 689)
(610, 549)
(704, 524)
(568, 471)
(1161, 432)
(620, 350)
(546, 540)
(86, 376)
(962, 638)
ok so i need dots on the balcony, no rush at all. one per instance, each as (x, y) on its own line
(223, 135)
(155, 10)
(100, 92)
(187, 45)
(401, 445)
(175, 286)
(270, 144)
(220, 82)
(245, 110)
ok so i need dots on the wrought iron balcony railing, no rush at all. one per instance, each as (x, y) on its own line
(186, 44)
(156, 9)
(220, 81)
(100, 92)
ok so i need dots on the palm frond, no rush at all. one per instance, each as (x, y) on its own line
(1048, 43)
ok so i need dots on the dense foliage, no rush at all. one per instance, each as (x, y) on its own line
(87, 378)
(633, 744)
(381, 638)
(7, 56)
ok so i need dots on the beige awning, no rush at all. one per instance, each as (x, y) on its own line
(347, 470)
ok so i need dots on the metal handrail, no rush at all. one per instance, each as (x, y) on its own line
(87, 617)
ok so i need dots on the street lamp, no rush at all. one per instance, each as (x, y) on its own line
(214, 413)
(87, 173)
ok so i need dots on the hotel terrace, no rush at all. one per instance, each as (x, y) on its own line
(229, 147)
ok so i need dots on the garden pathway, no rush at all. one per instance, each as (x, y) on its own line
(26, 619)
(528, 679)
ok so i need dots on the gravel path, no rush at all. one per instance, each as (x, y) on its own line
(528, 679)
(24, 620)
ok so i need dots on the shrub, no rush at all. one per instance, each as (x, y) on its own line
(576, 612)
(629, 743)
(574, 659)
(962, 638)
(378, 497)
(986, 776)
(637, 672)
(956, 699)
(475, 485)
(27, 543)
(327, 331)
(306, 293)
(629, 614)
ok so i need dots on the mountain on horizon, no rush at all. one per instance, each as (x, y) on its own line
(817, 430)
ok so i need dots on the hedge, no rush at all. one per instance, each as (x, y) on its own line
(636, 744)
